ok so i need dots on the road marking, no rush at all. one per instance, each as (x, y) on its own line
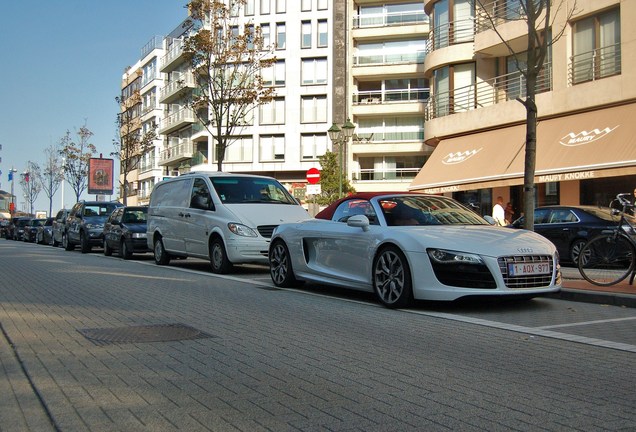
(587, 323)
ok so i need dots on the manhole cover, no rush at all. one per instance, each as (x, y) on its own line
(144, 333)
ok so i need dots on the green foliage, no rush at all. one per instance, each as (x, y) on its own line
(330, 177)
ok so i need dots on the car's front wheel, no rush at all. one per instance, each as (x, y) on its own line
(575, 252)
(84, 243)
(161, 256)
(67, 243)
(280, 266)
(218, 257)
(392, 278)
(124, 250)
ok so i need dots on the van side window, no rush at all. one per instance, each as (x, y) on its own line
(200, 197)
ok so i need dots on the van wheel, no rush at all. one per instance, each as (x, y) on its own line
(161, 256)
(218, 257)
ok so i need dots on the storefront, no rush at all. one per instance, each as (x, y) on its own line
(585, 158)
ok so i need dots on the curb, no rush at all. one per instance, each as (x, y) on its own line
(614, 299)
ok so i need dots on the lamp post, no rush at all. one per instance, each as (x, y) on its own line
(12, 172)
(340, 136)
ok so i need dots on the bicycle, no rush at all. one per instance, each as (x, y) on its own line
(610, 257)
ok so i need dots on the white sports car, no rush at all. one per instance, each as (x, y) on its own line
(405, 246)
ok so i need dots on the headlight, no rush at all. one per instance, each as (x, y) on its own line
(443, 256)
(138, 235)
(242, 230)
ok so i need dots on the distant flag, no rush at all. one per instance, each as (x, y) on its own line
(10, 175)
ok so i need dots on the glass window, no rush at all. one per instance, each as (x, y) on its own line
(313, 145)
(306, 34)
(249, 7)
(305, 5)
(596, 45)
(355, 207)
(314, 71)
(281, 6)
(273, 112)
(240, 150)
(314, 109)
(267, 40)
(265, 7)
(323, 33)
(274, 75)
(272, 148)
(323, 4)
(281, 36)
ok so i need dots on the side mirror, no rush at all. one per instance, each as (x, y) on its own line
(490, 220)
(359, 221)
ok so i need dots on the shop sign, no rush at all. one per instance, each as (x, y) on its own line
(459, 157)
(581, 175)
(585, 137)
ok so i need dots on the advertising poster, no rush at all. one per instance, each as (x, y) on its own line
(100, 176)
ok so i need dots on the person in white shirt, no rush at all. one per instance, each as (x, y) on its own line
(498, 212)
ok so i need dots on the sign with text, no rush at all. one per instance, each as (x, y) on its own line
(100, 176)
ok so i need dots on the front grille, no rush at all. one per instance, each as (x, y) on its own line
(464, 275)
(535, 281)
(266, 230)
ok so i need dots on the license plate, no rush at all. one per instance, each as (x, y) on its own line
(528, 269)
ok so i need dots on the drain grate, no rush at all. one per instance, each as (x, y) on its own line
(143, 334)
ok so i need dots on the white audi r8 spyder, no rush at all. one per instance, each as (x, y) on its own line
(406, 246)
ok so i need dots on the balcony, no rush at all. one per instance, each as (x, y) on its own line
(447, 34)
(177, 120)
(181, 150)
(393, 175)
(593, 65)
(496, 12)
(390, 19)
(490, 92)
(391, 96)
(173, 90)
(173, 57)
(389, 58)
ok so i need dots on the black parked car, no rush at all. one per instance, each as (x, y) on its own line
(85, 224)
(31, 229)
(17, 229)
(59, 226)
(125, 231)
(44, 234)
(569, 227)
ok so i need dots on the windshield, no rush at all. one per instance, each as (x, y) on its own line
(247, 190)
(427, 210)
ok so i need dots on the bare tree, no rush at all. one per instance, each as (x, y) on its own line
(132, 142)
(227, 58)
(52, 173)
(30, 185)
(530, 63)
(76, 158)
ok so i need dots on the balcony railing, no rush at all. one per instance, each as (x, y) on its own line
(378, 135)
(397, 175)
(497, 12)
(499, 89)
(175, 52)
(185, 115)
(390, 19)
(146, 165)
(596, 64)
(447, 34)
(388, 96)
(182, 150)
(387, 58)
(187, 80)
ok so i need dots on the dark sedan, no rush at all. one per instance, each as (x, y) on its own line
(125, 231)
(18, 227)
(31, 229)
(569, 227)
(44, 234)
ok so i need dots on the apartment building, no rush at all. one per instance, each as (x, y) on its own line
(286, 136)
(141, 84)
(586, 149)
(389, 92)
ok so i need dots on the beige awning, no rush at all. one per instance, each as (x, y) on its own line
(594, 144)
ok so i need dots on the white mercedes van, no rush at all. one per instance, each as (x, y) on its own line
(226, 218)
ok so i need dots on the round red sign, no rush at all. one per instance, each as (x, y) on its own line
(313, 175)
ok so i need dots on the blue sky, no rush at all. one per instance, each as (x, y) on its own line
(62, 63)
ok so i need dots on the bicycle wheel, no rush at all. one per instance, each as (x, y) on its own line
(606, 260)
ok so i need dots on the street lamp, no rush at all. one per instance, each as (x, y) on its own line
(340, 136)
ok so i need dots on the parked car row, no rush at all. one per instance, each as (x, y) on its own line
(400, 246)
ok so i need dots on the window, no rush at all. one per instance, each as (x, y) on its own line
(200, 197)
(239, 150)
(461, 97)
(305, 5)
(272, 148)
(305, 34)
(597, 47)
(313, 145)
(273, 112)
(453, 22)
(314, 109)
(267, 39)
(323, 33)
(249, 7)
(392, 128)
(281, 36)
(353, 208)
(281, 6)
(314, 71)
(274, 75)
(265, 7)
(323, 4)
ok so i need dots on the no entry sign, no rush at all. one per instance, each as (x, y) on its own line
(313, 175)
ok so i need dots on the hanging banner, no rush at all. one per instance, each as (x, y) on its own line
(100, 176)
